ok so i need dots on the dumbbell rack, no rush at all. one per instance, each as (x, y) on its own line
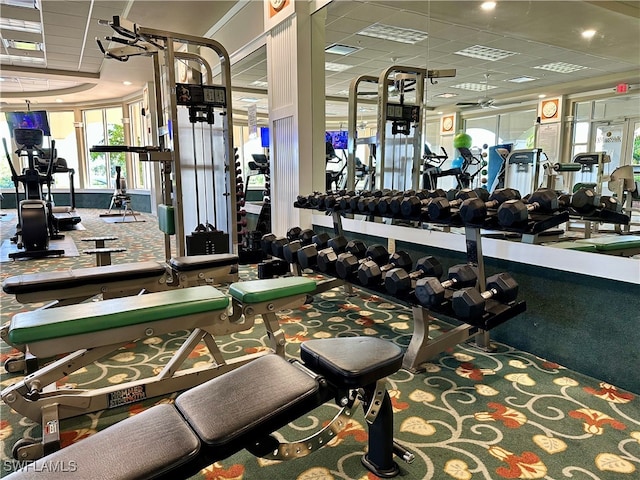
(421, 348)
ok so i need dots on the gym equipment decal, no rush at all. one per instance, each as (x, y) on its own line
(126, 396)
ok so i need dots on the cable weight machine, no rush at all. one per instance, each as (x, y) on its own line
(191, 117)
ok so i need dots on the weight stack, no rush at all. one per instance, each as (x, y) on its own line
(207, 243)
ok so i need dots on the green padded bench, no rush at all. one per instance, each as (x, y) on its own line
(625, 245)
(258, 291)
(572, 245)
(266, 297)
(104, 317)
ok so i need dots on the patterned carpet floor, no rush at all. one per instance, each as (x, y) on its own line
(470, 415)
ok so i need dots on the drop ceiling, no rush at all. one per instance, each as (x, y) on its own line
(537, 36)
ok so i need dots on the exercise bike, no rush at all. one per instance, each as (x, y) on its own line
(35, 221)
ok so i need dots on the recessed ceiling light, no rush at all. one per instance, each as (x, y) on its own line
(446, 95)
(20, 25)
(488, 5)
(23, 3)
(250, 99)
(336, 67)
(127, 83)
(20, 59)
(59, 100)
(338, 49)
(439, 113)
(474, 87)
(394, 34)
(485, 53)
(588, 33)
(259, 83)
(542, 95)
(560, 67)
(22, 45)
(522, 79)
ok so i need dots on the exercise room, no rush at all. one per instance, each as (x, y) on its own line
(405, 234)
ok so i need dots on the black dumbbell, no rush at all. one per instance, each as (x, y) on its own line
(349, 261)
(482, 193)
(371, 273)
(474, 210)
(374, 207)
(363, 203)
(384, 207)
(398, 280)
(585, 201)
(355, 200)
(412, 205)
(429, 291)
(273, 245)
(441, 208)
(469, 303)
(307, 256)
(514, 212)
(307, 237)
(327, 257)
(354, 252)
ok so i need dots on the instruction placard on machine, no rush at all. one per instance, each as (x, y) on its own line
(191, 94)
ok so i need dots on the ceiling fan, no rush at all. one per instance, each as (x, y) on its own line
(485, 101)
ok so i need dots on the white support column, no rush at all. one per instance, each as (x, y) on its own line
(294, 107)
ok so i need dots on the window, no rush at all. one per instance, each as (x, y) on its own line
(64, 133)
(104, 127)
(141, 170)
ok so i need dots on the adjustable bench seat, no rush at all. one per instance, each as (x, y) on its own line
(572, 245)
(626, 245)
(240, 410)
(203, 269)
(259, 291)
(52, 331)
(73, 286)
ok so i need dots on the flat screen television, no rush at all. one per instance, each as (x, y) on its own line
(32, 119)
(338, 138)
(264, 137)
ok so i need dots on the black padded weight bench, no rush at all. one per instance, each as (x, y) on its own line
(241, 409)
(72, 286)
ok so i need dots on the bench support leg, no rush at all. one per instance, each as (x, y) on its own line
(274, 332)
(379, 458)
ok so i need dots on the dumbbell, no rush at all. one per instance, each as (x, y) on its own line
(430, 291)
(474, 210)
(469, 303)
(412, 205)
(586, 202)
(482, 193)
(327, 257)
(441, 208)
(363, 203)
(348, 262)
(355, 200)
(513, 212)
(307, 237)
(371, 273)
(375, 205)
(273, 245)
(398, 280)
(384, 206)
(307, 256)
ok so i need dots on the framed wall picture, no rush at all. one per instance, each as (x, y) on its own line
(448, 124)
(550, 110)
(276, 11)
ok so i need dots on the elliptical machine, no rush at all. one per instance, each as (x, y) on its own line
(35, 225)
